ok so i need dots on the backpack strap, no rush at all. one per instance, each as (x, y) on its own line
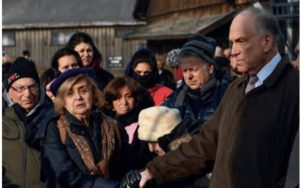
(62, 130)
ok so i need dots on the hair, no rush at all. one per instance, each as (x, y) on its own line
(264, 22)
(62, 53)
(144, 60)
(69, 83)
(112, 91)
(25, 53)
(47, 76)
(81, 37)
(143, 55)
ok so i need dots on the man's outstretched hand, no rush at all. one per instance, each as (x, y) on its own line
(145, 177)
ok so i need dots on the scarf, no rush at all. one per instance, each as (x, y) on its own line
(110, 140)
(205, 92)
(147, 81)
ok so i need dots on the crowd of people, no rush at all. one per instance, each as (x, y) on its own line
(227, 119)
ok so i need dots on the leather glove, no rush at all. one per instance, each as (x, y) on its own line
(131, 179)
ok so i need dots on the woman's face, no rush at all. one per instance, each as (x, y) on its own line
(125, 101)
(79, 99)
(67, 62)
(86, 53)
(143, 69)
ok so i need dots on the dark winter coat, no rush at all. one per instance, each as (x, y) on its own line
(250, 136)
(198, 109)
(166, 78)
(138, 151)
(64, 161)
(103, 77)
(21, 137)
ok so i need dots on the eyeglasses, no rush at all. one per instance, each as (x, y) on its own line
(20, 89)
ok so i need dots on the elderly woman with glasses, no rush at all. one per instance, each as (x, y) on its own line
(82, 147)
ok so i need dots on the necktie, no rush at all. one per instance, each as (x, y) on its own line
(251, 83)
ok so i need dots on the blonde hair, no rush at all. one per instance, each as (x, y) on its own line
(67, 85)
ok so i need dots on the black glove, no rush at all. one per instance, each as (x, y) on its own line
(131, 179)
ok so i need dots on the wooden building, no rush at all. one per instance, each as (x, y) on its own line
(43, 26)
(118, 27)
(170, 23)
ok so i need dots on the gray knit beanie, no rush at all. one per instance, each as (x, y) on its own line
(202, 46)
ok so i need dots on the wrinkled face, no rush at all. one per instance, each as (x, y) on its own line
(86, 53)
(125, 102)
(78, 100)
(154, 147)
(67, 62)
(25, 92)
(143, 69)
(247, 45)
(195, 71)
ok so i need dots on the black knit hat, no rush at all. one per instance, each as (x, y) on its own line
(204, 47)
(21, 68)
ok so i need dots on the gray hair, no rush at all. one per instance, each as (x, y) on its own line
(265, 23)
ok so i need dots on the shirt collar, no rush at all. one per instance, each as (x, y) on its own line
(267, 69)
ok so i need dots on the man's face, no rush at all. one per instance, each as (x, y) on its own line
(25, 92)
(196, 72)
(160, 60)
(247, 52)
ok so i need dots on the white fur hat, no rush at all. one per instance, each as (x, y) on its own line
(157, 121)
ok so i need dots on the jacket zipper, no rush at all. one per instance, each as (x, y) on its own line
(24, 158)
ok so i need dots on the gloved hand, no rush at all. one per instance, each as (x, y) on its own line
(131, 179)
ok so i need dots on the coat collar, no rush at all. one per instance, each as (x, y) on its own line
(40, 102)
(277, 72)
(270, 80)
(76, 126)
